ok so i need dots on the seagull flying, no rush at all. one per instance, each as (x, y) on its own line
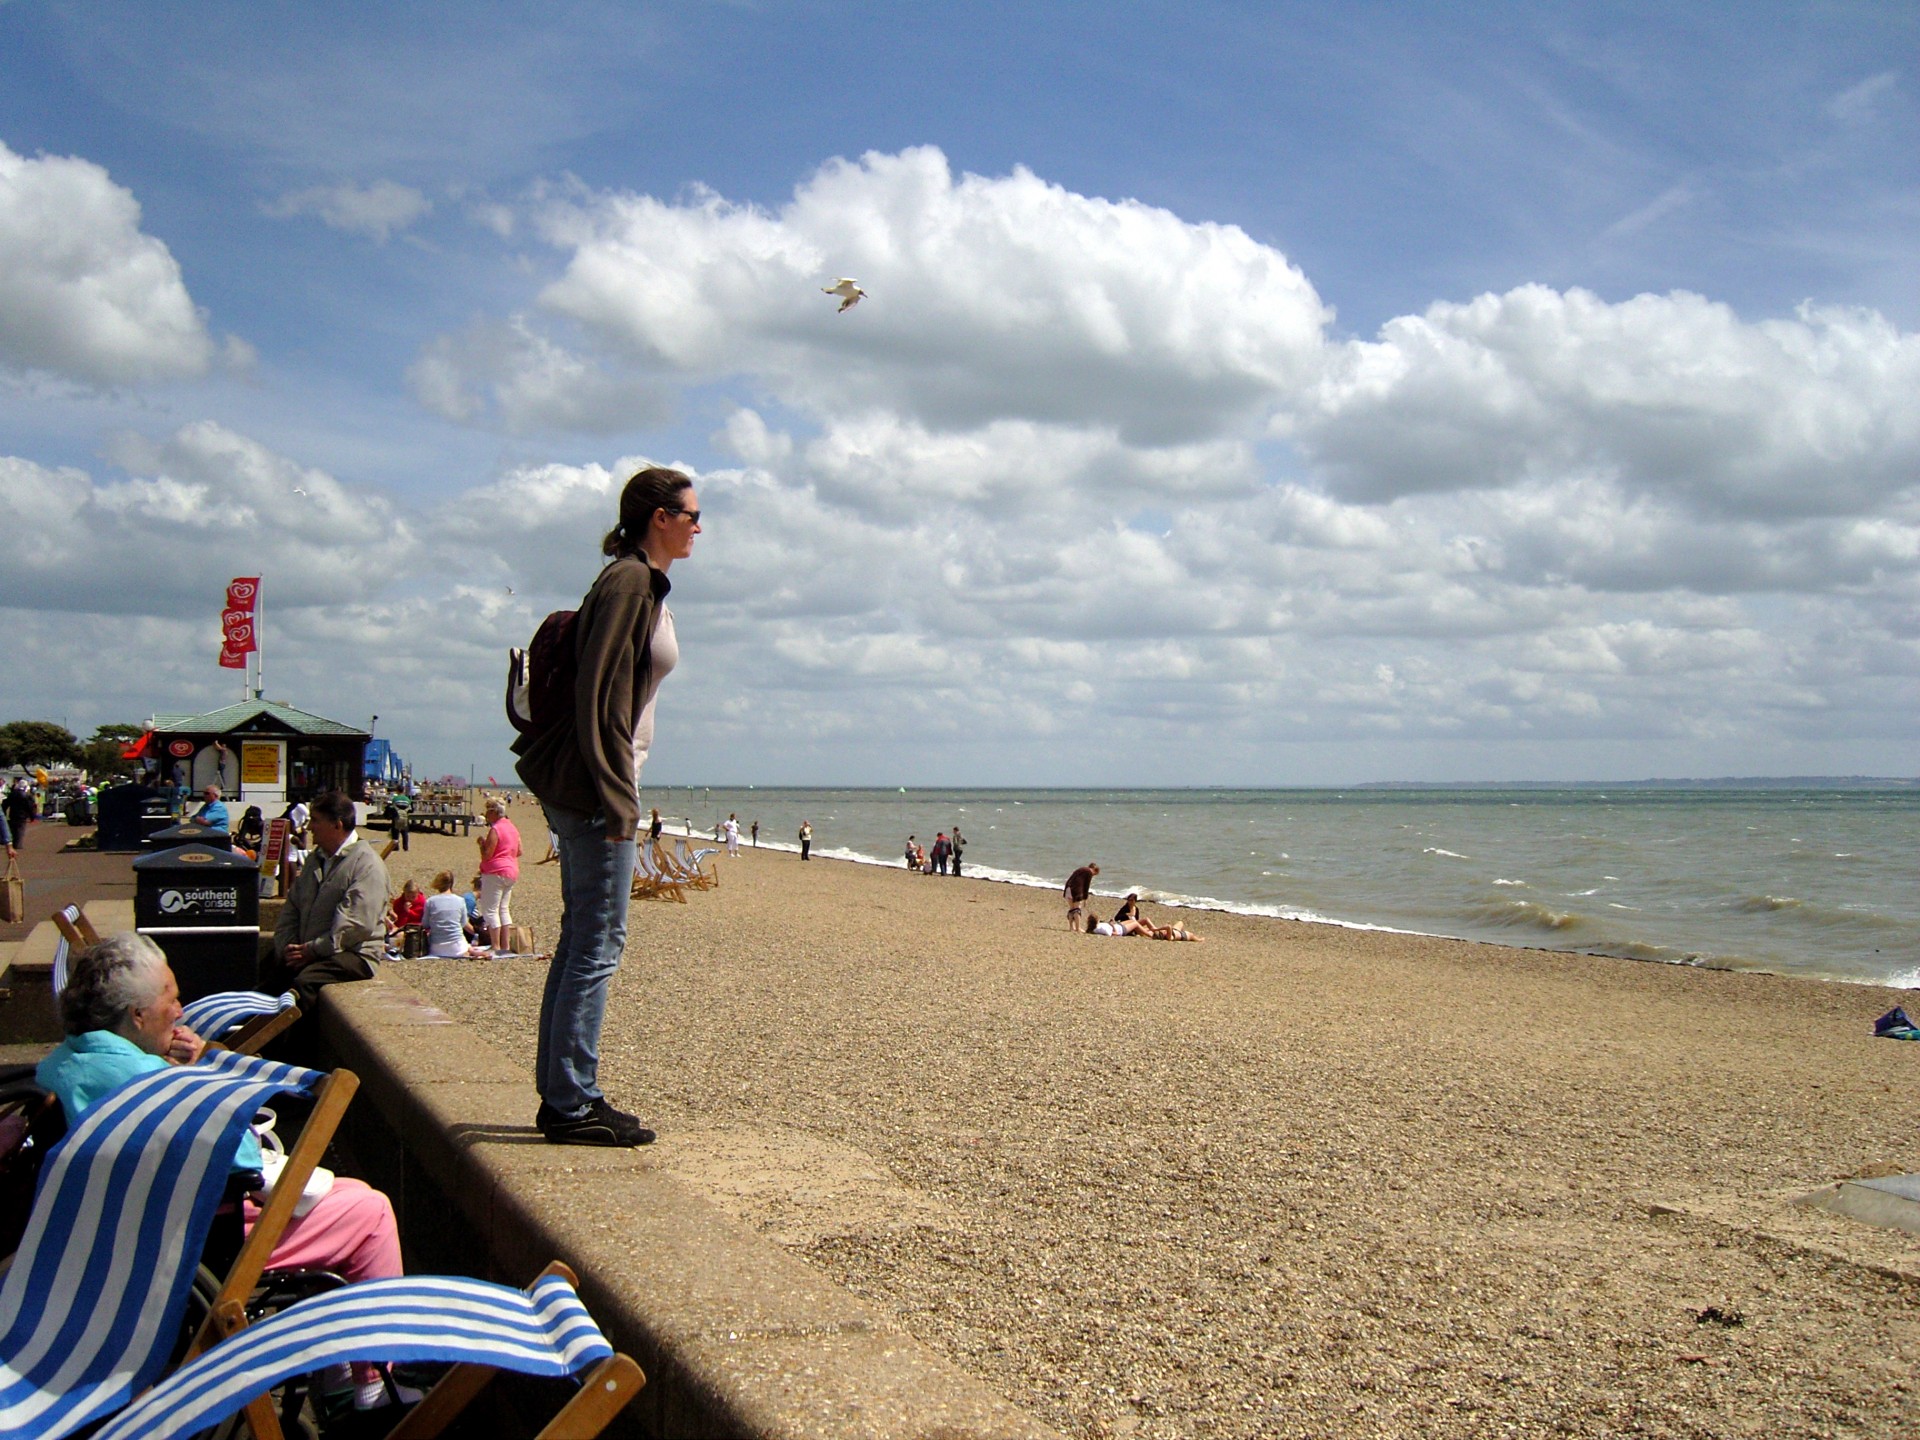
(849, 292)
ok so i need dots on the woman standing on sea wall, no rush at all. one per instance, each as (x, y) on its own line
(585, 770)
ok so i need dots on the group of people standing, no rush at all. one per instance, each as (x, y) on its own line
(945, 853)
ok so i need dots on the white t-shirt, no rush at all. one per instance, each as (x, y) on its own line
(665, 655)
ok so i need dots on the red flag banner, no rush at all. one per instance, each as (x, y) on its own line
(236, 622)
(236, 631)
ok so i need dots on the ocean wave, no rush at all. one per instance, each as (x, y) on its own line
(1510, 882)
(1524, 914)
(1171, 899)
(1444, 854)
(1763, 904)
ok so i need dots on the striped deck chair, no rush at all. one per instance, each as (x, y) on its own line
(688, 862)
(650, 883)
(94, 1302)
(76, 934)
(477, 1326)
(243, 1020)
(672, 869)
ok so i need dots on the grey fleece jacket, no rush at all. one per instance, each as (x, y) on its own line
(338, 905)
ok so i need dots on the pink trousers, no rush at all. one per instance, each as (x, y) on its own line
(351, 1231)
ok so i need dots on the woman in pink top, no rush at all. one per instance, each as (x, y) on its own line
(499, 868)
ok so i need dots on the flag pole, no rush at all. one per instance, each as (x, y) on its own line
(259, 651)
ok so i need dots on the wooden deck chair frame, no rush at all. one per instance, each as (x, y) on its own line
(73, 923)
(687, 862)
(259, 1032)
(675, 866)
(604, 1392)
(651, 882)
(662, 859)
(330, 1104)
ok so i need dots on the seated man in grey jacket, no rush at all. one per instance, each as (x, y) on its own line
(330, 928)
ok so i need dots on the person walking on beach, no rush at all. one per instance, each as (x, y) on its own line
(942, 852)
(1079, 885)
(958, 841)
(653, 829)
(732, 829)
(806, 839)
(756, 834)
(584, 768)
(399, 823)
(19, 809)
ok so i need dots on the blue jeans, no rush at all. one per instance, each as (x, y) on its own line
(596, 883)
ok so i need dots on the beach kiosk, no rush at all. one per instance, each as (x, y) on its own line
(260, 752)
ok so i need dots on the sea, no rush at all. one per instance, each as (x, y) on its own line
(1816, 882)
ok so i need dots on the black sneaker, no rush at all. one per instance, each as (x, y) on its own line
(601, 1125)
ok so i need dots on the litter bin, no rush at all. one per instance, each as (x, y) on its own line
(189, 832)
(122, 811)
(201, 905)
(79, 810)
(154, 815)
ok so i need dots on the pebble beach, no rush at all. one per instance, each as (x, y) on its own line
(1295, 1181)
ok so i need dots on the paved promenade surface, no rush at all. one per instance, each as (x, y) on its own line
(56, 877)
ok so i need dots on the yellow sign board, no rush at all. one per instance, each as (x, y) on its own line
(259, 763)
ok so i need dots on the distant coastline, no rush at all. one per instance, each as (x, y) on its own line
(1724, 782)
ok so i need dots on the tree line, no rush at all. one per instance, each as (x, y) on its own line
(41, 742)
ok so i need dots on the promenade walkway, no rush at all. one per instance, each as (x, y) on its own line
(56, 876)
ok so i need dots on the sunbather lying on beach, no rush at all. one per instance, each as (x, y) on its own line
(1128, 920)
(1123, 928)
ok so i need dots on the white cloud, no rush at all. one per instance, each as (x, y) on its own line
(1085, 483)
(201, 505)
(376, 211)
(1860, 102)
(84, 294)
(1668, 395)
(512, 376)
(989, 298)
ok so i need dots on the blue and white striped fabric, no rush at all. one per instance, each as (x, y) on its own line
(543, 1332)
(212, 1016)
(95, 1299)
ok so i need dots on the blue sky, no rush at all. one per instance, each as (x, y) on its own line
(1244, 394)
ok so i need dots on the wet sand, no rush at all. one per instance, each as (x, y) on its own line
(1296, 1181)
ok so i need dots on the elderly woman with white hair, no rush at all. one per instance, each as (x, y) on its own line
(121, 1012)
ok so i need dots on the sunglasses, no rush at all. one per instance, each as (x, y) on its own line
(693, 515)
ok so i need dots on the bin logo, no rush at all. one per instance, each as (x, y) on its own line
(199, 902)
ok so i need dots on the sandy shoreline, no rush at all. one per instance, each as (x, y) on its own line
(1299, 1180)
